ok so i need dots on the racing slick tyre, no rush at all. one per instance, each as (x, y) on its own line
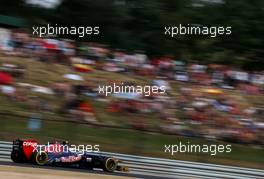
(39, 158)
(110, 165)
(16, 157)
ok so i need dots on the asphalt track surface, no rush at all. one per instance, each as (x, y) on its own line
(14, 172)
(120, 174)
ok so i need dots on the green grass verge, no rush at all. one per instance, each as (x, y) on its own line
(128, 141)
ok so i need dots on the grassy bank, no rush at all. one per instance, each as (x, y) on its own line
(109, 139)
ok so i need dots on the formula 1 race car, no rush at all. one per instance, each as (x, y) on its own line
(30, 151)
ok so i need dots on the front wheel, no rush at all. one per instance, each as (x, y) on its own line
(110, 165)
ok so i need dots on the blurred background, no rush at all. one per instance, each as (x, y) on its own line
(49, 86)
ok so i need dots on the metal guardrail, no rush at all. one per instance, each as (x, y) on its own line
(168, 168)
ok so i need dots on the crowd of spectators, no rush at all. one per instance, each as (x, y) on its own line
(206, 100)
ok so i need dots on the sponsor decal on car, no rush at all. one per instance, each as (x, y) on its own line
(70, 159)
(32, 144)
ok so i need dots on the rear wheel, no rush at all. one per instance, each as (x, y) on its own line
(40, 158)
(16, 157)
